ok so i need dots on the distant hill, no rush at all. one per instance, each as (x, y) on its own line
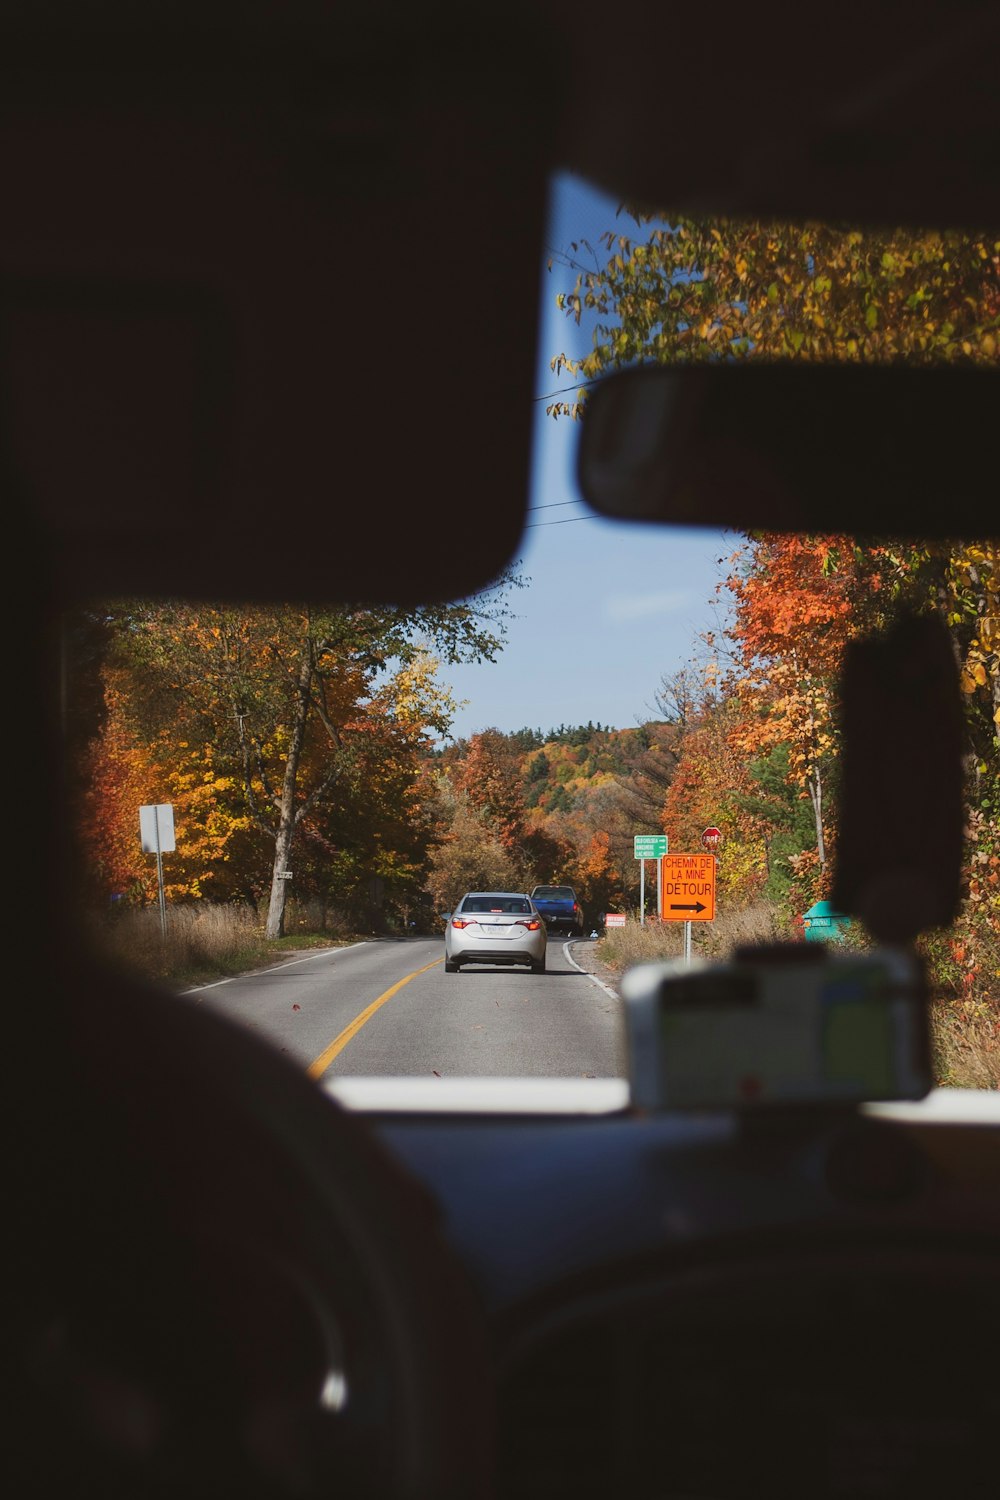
(567, 803)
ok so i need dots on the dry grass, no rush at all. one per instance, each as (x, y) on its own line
(203, 941)
(198, 940)
(966, 1047)
(635, 943)
(761, 923)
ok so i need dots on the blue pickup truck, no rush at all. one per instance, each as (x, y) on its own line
(559, 908)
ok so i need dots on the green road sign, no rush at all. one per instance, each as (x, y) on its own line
(649, 845)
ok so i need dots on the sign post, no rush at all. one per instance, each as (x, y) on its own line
(156, 834)
(647, 846)
(710, 841)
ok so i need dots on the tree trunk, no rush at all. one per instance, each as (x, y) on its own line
(286, 814)
(814, 782)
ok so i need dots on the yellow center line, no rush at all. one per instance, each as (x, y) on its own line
(319, 1065)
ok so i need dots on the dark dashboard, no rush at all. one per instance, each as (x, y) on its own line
(717, 1306)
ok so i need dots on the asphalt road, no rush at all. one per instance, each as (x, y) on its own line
(387, 1008)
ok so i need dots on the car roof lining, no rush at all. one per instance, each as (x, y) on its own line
(399, 206)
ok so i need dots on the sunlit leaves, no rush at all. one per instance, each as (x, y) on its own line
(680, 289)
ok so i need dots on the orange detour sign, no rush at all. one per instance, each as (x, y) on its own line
(687, 888)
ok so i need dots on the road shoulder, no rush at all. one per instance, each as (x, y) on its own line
(582, 953)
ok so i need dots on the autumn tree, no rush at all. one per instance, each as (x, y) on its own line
(792, 619)
(292, 700)
(365, 847)
(115, 773)
(491, 779)
(605, 787)
(672, 289)
(595, 877)
(469, 855)
(960, 580)
(564, 806)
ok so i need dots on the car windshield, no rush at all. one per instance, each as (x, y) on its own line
(648, 714)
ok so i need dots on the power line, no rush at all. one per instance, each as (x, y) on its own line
(567, 521)
(565, 389)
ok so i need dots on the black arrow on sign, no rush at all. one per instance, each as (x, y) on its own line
(694, 906)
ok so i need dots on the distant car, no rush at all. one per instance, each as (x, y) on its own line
(495, 927)
(560, 909)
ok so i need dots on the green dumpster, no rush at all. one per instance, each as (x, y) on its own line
(822, 923)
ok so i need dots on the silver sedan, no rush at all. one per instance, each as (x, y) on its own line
(495, 927)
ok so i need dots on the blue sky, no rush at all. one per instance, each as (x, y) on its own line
(611, 607)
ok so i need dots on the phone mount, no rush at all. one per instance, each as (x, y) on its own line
(792, 1026)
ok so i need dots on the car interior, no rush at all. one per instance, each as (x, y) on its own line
(270, 289)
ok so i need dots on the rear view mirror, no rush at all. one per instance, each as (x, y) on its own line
(899, 849)
(795, 447)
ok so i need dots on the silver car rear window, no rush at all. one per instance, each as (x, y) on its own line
(518, 905)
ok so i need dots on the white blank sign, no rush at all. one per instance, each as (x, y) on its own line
(156, 828)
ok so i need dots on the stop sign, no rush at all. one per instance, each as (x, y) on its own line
(711, 838)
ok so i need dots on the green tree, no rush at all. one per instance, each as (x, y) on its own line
(783, 818)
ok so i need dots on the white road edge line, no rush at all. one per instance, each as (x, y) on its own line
(605, 987)
(274, 968)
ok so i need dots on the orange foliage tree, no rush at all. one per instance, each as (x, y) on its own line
(116, 777)
(287, 726)
(793, 613)
(491, 779)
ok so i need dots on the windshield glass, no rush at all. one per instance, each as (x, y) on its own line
(647, 714)
(512, 904)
